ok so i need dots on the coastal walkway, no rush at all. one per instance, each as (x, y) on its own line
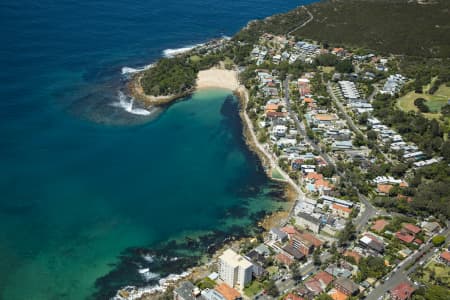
(261, 148)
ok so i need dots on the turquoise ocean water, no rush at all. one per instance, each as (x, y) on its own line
(87, 189)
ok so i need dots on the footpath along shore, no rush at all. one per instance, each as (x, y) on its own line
(219, 77)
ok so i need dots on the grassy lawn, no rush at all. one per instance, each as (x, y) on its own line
(195, 58)
(434, 102)
(276, 174)
(254, 288)
(327, 70)
(441, 273)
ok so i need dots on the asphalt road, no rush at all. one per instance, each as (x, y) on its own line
(400, 274)
(369, 210)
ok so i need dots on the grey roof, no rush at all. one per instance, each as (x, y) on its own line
(185, 291)
(347, 284)
(280, 234)
(294, 252)
(308, 218)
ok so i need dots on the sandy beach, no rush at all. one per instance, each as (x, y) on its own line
(218, 78)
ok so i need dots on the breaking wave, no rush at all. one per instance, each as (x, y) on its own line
(127, 103)
(173, 52)
(129, 70)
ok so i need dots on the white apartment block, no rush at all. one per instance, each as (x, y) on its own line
(234, 269)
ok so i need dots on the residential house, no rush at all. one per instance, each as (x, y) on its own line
(301, 244)
(404, 237)
(403, 291)
(369, 241)
(284, 259)
(445, 257)
(384, 189)
(379, 225)
(431, 228)
(319, 282)
(187, 291)
(291, 296)
(277, 235)
(308, 221)
(228, 292)
(292, 252)
(341, 211)
(346, 286)
(412, 229)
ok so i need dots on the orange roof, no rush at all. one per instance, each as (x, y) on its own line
(289, 229)
(353, 254)
(384, 188)
(338, 49)
(314, 175)
(291, 296)
(284, 259)
(325, 117)
(338, 295)
(403, 184)
(311, 238)
(324, 277)
(340, 207)
(379, 225)
(402, 291)
(412, 228)
(446, 255)
(322, 183)
(272, 107)
(308, 100)
(403, 236)
(228, 292)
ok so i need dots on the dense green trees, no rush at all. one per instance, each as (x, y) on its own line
(172, 76)
(438, 240)
(344, 66)
(420, 104)
(371, 266)
(327, 59)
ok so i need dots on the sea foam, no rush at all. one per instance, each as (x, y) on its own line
(173, 52)
(129, 70)
(127, 103)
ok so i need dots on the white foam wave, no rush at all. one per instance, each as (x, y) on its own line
(147, 275)
(173, 52)
(134, 293)
(129, 70)
(127, 104)
(149, 258)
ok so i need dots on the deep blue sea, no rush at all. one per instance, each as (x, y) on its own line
(90, 192)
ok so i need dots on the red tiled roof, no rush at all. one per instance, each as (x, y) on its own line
(384, 188)
(314, 175)
(228, 292)
(402, 291)
(291, 296)
(289, 229)
(276, 114)
(418, 241)
(284, 259)
(338, 295)
(324, 277)
(341, 207)
(412, 228)
(379, 225)
(325, 117)
(403, 236)
(311, 238)
(446, 255)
